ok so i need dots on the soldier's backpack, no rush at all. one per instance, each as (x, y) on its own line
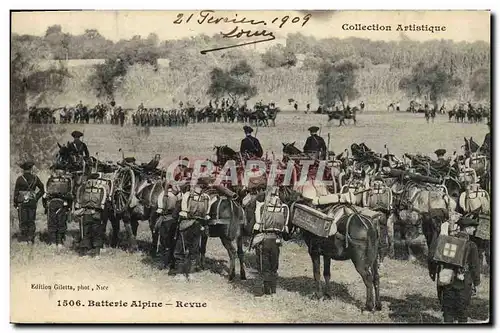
(167, 201)
(92, 194)
(59, 186)
(198, 204)
(274, 215)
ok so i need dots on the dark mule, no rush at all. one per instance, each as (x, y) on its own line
(228, 224)
(358, 241)
(342, 116)
(290, 149)
(224, 154)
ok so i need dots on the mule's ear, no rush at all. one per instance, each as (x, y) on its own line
(293, 143)
(59, 145)
(284, 145)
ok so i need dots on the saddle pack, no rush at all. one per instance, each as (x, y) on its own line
(379, 196)
(474, 198)
(467, 176)
(477, 162)
(483, 230)
(93, 194)
(226, 211)
(354, 191)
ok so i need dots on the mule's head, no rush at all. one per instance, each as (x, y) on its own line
(290, 149)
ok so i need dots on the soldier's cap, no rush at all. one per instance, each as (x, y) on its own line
(76, 134)
(440, 152)
(27, 165)
(313, 129)
(247, 129)
(129, 159)
(467, 221)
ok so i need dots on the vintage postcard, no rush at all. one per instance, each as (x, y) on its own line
(217, 166)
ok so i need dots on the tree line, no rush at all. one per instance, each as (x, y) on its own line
(432, 69)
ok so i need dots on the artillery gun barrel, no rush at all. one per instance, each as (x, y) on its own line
(414, 176)
(225, 191)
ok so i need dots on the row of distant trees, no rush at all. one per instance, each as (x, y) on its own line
(337, 80)
(401, 54)
(433, 69)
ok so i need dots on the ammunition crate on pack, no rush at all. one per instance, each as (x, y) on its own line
(450, 250)
(483, 230)
(312, 220)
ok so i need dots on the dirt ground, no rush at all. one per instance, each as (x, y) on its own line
(408, 294)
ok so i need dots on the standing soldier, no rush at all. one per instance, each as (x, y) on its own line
(296, 106)
(456, 284)
(308, 107)
(58, 201)
(270, 226)
(79, 147)
(315, 143)
(194, 214)
(26, 199)
(250, 145)
(91, 207)
(362, 106)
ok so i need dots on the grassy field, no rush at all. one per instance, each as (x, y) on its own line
(408, 294)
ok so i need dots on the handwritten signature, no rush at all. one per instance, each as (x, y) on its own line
(208, 17)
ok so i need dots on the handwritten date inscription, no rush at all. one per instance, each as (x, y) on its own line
(209, 17)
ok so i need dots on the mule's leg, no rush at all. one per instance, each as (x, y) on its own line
(317, 275)
(130, 234)
(390, 234)
(134, 222)
(376, 285)
(326, 275)
(154, 236)
(115, 230)
(231, 251)
(203, 246)
(241, 257)
(364, 269)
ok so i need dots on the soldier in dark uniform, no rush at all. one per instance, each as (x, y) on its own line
(362, 106)
(250, 145)
(26, 199)
(296, 106)
(78, 146)
(315, 143)
(455, 297)
(308, 107)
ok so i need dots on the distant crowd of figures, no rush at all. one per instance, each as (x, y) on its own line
(142, 116)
